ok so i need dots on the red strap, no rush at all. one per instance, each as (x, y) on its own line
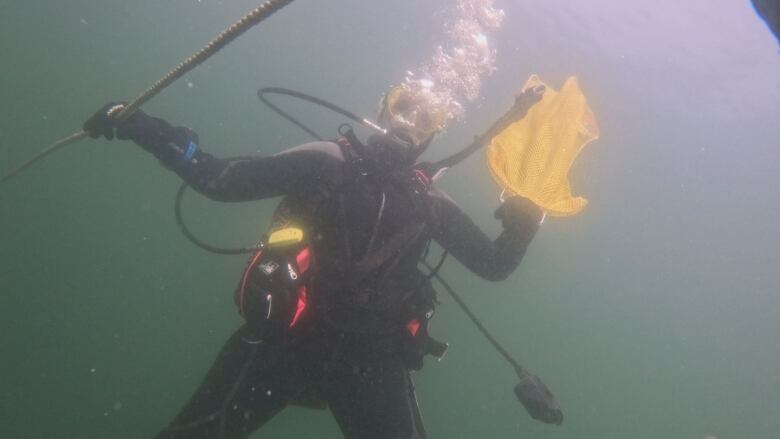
(423, 176)
(302, 301)
(413, 326)
(302, 259)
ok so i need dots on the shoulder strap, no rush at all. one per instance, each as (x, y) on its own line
(351, 147)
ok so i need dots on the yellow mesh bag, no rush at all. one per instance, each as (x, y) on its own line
(532, 156)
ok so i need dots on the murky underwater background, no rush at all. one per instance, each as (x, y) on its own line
(653, 314)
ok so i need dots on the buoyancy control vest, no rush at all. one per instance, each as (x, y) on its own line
(347, 257)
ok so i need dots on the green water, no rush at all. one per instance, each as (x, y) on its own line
(653, 314)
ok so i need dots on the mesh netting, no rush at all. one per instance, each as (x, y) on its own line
(532, 156)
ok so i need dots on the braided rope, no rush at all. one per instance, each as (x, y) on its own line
(73, 138)
(223, 39)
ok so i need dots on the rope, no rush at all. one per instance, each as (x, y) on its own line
(75, 137)
(223, 39)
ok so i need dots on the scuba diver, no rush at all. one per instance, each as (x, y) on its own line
(336, 310)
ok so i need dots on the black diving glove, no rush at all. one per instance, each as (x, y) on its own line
(519, 213)
(153, 134)
(139, 127)
(104, 123)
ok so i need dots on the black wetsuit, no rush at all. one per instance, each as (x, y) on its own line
(350, 353)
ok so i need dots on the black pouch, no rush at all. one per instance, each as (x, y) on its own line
(273, 291)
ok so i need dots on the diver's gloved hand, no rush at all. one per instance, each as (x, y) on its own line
(103, 122)
(519, 213)
(139, 127)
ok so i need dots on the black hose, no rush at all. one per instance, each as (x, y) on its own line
(474, 319)
(522, 104)
(276, 90)
(261, 94)
(194, 239)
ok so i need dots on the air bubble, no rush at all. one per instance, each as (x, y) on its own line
(454, 73)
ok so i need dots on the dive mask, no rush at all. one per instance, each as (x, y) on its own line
(411, 117)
